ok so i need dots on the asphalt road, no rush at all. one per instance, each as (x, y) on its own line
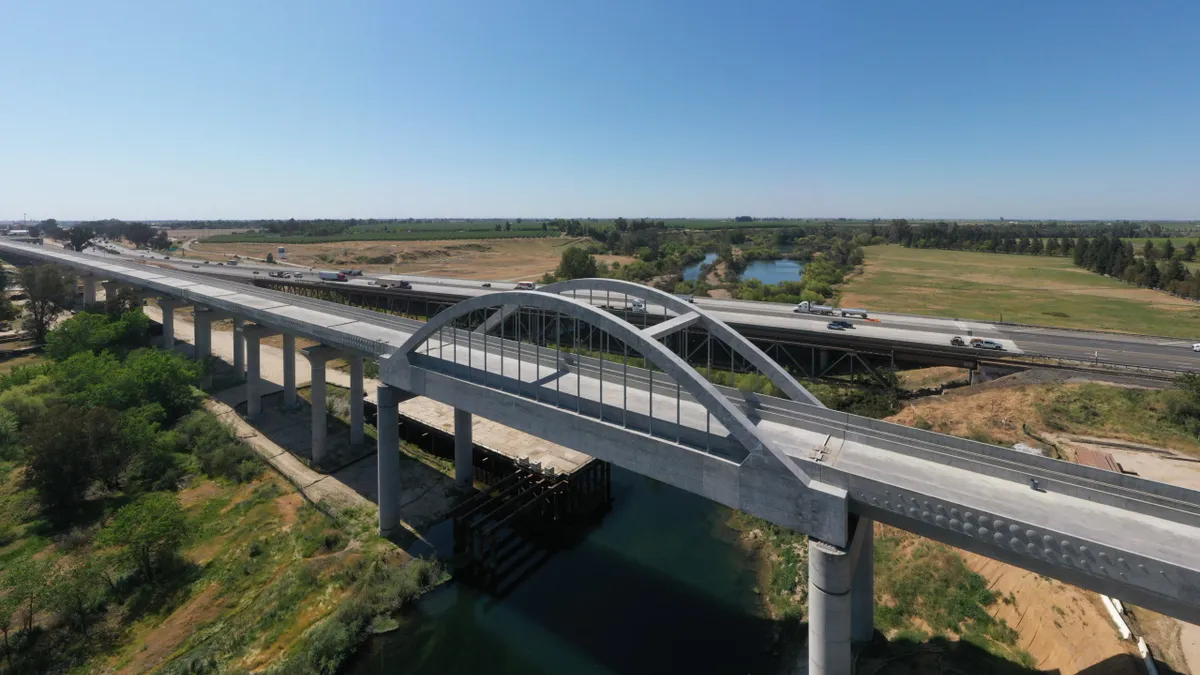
(1124, 349)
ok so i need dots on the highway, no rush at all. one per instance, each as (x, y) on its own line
(1075, 345)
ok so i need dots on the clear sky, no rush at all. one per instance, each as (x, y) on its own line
(919, 108)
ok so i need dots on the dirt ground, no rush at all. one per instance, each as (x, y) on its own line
(923, 378)
(1063, 627)
(493, 259)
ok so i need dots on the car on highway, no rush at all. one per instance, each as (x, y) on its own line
(1196, 347)
(487, 286)
(195, 266)
(299, 276)
(402, 284)
(525, 286)
(987, 344)
(957, 341)
(844, 324)
(834, 325)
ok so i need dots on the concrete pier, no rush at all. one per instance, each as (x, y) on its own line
(317, 358)
(464, 449)
(239, 348)
(202, 338)
(829, 577)
(387, 458)
(254, 335)
(356, 400)
(862, 588)
(840, 599)
(168, 308)
(89, 288)
(289, 371)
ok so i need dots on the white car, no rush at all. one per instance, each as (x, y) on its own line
(1196, 347)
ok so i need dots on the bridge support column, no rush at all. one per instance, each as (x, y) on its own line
(356, 400)
(202, 333)
(239, 348)
(387, 457)
(831, 608)
(464, 449)
(168, 308)
(289, 372)
(89, 288)
(862, 588)
(254, 335)
(822, 361)
(317, 356)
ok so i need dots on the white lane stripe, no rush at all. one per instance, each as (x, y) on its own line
(1176, 343)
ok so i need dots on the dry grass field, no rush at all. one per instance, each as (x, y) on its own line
(496, 259)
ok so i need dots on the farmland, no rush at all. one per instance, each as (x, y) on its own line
(494, 259)
(1013, 288)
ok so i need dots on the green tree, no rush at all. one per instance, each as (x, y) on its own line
(62, 455)
(576, 263)
(138, 234)
(26, 582)
(8, 607)
(50, 290)
(1168, 250)
(1189, 252)
(77, 591)
(150, 530)
(1148, 251)
(270, 258)
(96, 332)
(79, 238)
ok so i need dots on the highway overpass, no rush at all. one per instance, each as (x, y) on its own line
(912, 340)
(824, 473)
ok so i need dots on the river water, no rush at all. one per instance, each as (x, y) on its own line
(766, 271)
(692, 272)
(660, 586)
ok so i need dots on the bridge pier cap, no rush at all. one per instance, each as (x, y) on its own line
(767, 482)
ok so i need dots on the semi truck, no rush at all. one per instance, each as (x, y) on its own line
(332, 276)
(807, 307)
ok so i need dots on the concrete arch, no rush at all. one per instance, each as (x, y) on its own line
(739, 426)
(717, 328)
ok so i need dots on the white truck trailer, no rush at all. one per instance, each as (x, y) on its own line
(807, 307)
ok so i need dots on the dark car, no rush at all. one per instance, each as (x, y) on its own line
(835, 325)
(957, 341)
(487, 285)
(402, 284)
(844, 324)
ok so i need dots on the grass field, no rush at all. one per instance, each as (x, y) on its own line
(1022, 289)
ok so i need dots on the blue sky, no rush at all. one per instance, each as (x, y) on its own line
(920, 108)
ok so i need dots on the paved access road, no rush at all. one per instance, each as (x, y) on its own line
(1124, 349)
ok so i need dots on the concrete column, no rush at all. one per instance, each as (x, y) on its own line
(862, 587)
(202, 336)
(254, 335)
(829, 576)
(168, 308)
(289, 372)
(356, 400)
(110, 289)
(317, 356)
(89, 288)
(464, 449)
(822, 360)
(239, 349)
(387, 432)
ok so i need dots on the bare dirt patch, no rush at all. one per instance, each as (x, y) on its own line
(160, 642)
(498, 259)
(288, 508)
(199, 493)
(924, 378)
(1062, 626)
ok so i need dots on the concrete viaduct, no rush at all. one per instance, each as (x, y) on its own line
(823, 473)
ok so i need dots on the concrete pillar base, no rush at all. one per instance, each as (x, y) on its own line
(317, 357)
(168, 307)
(239, 349)
(835, 615)
(254, 335)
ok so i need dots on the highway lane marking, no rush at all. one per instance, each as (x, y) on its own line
(1175, 343)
